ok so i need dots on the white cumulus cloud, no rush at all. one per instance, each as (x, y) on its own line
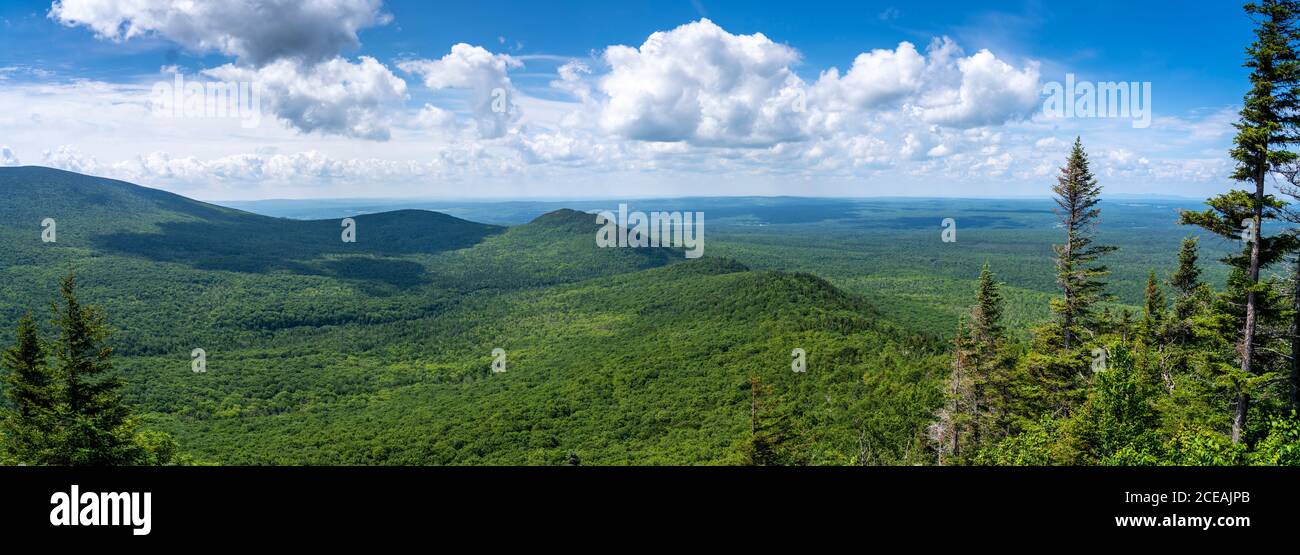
(255, 31)
(877, 77)
(289, 47)
(483, 74)
(700, 84)
(335, 96)
(990, 92)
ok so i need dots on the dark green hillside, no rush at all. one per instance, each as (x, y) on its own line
(115, 217)
(556, 247)
(378, 352)
(642, 368)
(175, 272)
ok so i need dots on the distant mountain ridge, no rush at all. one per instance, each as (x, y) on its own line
(377, 352)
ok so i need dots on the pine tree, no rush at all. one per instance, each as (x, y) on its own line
(1191, 297)
(1078, 274)
(1186, 280)
(952, 423)
(96, 424)
(1292, 286)
(993, 365)
(1153, 313)
(1267, 126)
(979, 388)
(29, 425)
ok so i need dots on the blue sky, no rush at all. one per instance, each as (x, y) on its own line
(376, 99)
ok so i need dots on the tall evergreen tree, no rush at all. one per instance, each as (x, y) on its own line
(979, 387)
(1265, 130)
(1293, 381)
(953, 419)
(992, 363)
(1186, 280)
(1191, 297)
(96, 424)
(1153, 314)
(28, 424)
(986, 315)
(1077, 271)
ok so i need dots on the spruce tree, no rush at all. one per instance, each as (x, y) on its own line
(1265, 130)
(950, 432)
(986, 315)
(992, 365)
(1186, 280)
(96, 424)
(979, 387)
(1191, 298)
(28, 424)
(1077, 271)
(1153, 313)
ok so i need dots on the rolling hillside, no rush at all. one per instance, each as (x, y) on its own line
(378, 352)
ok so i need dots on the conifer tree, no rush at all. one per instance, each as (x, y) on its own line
(992, 379)
(1186, 280)
(28, 425)
(1077, 271)
(953, 420)
(1153, 313)
(979, 387)
(96, 424)
(1152, 330)
(71, 413)
(1191, 297)
(1057, 362)
(1265, 130)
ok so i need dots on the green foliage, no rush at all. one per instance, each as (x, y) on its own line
(1117, 423)
(72, 415)
(29, 422)
(1171, 383)
(1038, 443)
(1281, 446)
(1077, 271)
(377, 352)
(982, 385)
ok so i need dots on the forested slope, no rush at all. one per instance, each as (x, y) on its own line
(379, 351)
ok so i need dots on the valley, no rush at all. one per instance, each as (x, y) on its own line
(380, 351)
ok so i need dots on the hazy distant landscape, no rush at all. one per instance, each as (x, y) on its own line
(887, 249)
(379, 352)
(701, 233)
